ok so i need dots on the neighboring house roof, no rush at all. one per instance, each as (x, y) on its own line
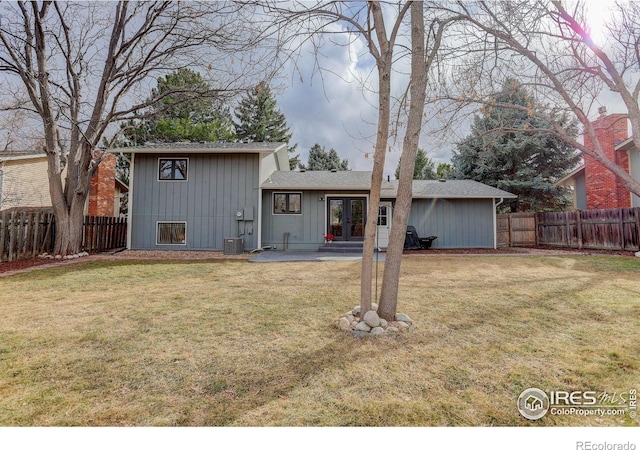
(568, 177)
(361, 180)
(123, 187)
(627, 144)
(202, 147)
(21, 156)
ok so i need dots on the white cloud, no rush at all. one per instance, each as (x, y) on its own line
(327, 103)
(331, 99)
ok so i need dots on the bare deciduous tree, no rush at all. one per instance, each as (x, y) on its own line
(84, 66)
(17, 132)
(550, 50)
(418, 89)
(381, 35)
(367, 21)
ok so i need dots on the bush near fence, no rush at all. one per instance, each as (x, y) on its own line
(601, 229)
(29, 232)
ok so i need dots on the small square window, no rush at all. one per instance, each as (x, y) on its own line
(172, 233)
(287, 203)
(172, 169)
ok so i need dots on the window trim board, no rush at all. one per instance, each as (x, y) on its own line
(159, 222)
(287, 193)
(171, 180)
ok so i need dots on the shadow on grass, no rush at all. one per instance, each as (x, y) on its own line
(248, 390)
(55, 271)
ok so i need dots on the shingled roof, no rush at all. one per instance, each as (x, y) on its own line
(361, 180)
(454, 189)
(319, 180)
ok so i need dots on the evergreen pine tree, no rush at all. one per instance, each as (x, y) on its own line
(320, 159)
(424, 168)
(189, 113)
(443, 171)
(509, 148)
(259, 120)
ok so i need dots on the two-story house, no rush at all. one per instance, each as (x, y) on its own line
(194, 196)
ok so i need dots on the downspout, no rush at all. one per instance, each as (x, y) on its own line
(130, 199)
(2, 163)
(260, 192)
(495, 222)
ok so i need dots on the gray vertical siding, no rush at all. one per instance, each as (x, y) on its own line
(307, 230)
(634, 166)
(458, 223)
(218, 185)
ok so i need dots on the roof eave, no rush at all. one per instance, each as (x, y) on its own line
(627, 144)
(464, 196)
(22, 157)
(258, 148)
(267, 185)
(570, 175)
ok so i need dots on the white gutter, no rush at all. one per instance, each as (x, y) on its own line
(495, 222)
(130, 200)
(259, 212)
(2, 163)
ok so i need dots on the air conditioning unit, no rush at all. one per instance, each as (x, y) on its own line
(233, 246)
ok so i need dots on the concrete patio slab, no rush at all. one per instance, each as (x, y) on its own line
(276, 256)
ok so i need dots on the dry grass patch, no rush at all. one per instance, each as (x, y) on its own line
(224, 343)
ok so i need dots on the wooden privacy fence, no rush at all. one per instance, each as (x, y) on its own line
(607, 229)
(29, 232)
(25, 233)
(603, 229)
(516, 230)
(104, 233)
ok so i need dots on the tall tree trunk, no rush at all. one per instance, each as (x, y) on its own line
(68, 199)
(390, 282)
(70, 227)
(382, 137)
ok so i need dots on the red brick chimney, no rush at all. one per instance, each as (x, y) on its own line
(102, 191)
(604, 189)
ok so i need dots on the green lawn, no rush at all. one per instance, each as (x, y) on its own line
(233, 343)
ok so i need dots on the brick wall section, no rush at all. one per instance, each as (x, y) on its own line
(604, 190)
(102, 191)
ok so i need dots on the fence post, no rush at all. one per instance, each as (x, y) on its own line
(568, 227)
(579, 228)
(20, 236)
(47, 245)
(36, 233)
(621, 227)
(3, 228)
(110, 241)
(27, 235)
(637, 214)
(12, 233)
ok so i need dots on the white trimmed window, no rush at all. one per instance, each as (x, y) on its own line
(172, 169)
(287, 203)
(171, 233)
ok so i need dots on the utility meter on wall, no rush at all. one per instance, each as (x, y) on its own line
(239, 214)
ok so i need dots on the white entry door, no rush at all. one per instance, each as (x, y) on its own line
(385, 213)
